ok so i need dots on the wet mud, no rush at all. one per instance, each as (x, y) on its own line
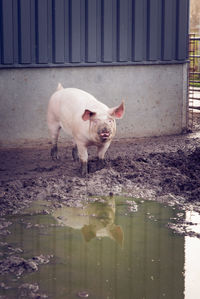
(11, 263)
(165, 169)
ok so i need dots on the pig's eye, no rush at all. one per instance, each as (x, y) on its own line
(110, 121)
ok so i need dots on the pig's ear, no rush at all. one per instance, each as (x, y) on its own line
(117, 234)
(117, 112)
(88, 232)
(88, 115)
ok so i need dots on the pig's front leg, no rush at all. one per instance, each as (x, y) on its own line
(83, 156)
(101, 153)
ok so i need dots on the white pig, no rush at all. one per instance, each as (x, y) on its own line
(89, 121)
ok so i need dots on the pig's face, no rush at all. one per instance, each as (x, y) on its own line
(103, 128)
(103, 125)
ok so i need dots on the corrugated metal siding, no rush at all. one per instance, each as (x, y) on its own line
(92, 32)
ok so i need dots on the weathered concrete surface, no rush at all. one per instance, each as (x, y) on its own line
(155, 97)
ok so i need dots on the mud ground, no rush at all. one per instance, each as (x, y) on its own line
(166, 169)
(163, 168)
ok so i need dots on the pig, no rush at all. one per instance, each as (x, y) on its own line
(96, 220)
(89, 121)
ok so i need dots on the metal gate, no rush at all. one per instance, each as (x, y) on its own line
(194, 78)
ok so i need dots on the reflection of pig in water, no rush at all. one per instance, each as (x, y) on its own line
(89, 121)
(95, 220)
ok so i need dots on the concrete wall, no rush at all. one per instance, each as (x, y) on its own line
(155, 96)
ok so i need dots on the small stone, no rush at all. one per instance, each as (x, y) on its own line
(83, 294)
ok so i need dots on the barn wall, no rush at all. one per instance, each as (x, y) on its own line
(137, 50)
(155, 97)
(51, 33)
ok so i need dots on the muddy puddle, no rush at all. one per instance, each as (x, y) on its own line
(110, 248)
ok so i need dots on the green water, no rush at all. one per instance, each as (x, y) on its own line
(103, 250)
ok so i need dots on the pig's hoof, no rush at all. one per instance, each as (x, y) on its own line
(54, 154)
(84, 169)
(55, 157)
(100, 164)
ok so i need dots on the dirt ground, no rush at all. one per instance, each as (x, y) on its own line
(163, 168)
(166, 169)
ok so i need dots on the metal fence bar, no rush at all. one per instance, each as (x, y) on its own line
(194, 77)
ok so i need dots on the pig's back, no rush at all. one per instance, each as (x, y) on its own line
(72, 104)
(78, 100)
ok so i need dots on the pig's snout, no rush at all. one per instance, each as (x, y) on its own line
(105, 133)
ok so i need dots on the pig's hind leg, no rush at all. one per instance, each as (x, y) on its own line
(75, 153)
(54, 130)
